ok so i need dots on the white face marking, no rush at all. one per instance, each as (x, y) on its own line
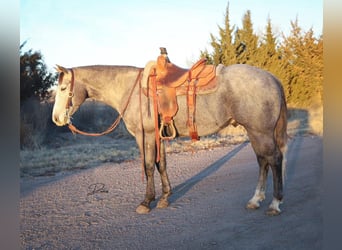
(60, 115)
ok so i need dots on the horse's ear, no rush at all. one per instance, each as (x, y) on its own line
(61, 69)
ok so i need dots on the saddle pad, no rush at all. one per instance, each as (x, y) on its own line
(148, 67)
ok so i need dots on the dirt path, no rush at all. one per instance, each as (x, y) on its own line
(207, 210)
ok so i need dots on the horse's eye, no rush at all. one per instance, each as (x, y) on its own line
(63, 88)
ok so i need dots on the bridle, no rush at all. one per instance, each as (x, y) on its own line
(69, 106)
(71, 90)
(70, 96)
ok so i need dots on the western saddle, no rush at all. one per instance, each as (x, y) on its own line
(166, 81)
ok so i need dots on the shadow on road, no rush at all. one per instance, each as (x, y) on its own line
(180, 190)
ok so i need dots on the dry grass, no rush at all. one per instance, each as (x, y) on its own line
(77, 153)
(34, 124)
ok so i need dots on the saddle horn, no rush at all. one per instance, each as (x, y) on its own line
(163, 52)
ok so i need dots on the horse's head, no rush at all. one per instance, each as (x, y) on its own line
(69, 96)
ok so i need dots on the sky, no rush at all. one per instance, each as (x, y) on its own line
(115, 32)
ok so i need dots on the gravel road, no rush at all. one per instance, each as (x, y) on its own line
(207, 208)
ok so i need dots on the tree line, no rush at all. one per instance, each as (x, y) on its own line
(297, 60)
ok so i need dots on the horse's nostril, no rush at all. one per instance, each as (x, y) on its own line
(55, 119)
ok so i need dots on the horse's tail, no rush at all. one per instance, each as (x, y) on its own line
(281, 134)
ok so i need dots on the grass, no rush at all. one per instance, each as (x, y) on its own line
(77, 155)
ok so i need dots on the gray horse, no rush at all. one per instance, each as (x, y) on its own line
(245, 95)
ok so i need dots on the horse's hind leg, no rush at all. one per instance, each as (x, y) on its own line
(268, 154)
(259, 194)
(276, 165)
(166, 187)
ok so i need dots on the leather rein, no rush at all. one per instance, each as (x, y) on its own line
(75, 130)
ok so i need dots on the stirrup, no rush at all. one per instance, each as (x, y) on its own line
(167, 125)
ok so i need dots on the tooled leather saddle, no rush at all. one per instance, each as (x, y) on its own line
(167, 81)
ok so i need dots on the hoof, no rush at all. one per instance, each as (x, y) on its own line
(163, 203)
(274, 209)
(252, 205)
(142, 209)
(273, 212)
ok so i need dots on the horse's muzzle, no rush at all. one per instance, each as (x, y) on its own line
(56, 120)
(62, 119)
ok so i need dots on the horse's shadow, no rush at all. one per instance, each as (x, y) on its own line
(180, 190)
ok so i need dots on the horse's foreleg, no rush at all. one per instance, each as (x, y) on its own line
(166, 187)
(149, 152)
